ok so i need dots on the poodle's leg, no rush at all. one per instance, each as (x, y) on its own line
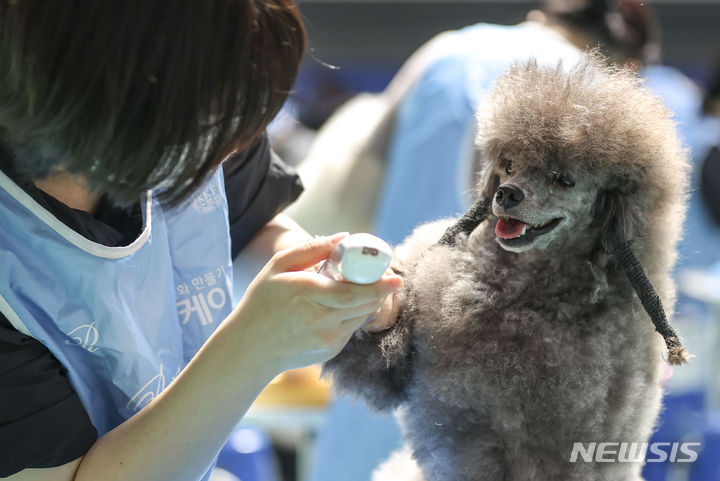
(374, 367)
(399, 467)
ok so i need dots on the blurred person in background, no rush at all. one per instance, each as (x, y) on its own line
(700, 129)
(380, 155)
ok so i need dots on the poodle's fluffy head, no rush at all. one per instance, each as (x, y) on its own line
(580, 154)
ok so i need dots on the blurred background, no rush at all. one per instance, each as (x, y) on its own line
(368, 40)
(341, 127)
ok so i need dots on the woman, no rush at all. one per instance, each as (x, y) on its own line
(120, 356)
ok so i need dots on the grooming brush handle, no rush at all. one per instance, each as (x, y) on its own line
(359, 259)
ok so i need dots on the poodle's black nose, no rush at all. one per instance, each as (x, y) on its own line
(509, 196)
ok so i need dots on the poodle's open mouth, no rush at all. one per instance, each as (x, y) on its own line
(515, 233)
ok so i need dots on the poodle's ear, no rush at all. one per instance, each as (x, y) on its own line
(617, 217)
(488, 181)
(608, 217)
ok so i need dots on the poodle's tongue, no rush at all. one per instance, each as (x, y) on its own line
(509, 228)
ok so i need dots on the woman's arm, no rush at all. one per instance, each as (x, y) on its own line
(288, 318)
(280, 233)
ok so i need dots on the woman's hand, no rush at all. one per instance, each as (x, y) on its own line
(293, 317)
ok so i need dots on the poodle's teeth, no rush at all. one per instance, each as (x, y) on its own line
(523, 231)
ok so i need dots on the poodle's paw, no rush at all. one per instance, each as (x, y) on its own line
(400, 466)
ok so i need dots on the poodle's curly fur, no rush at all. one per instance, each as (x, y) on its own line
(501, 360)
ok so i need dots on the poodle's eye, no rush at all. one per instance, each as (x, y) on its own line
(509, 169)
(564, 179)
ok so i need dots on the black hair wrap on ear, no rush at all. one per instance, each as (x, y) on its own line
(650, 301)
(467, 223)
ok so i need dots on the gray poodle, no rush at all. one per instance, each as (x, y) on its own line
(520, 333)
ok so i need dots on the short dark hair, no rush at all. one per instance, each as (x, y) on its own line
(623, 29)
(138, 94)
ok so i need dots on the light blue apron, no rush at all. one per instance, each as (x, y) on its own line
(124, 321)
